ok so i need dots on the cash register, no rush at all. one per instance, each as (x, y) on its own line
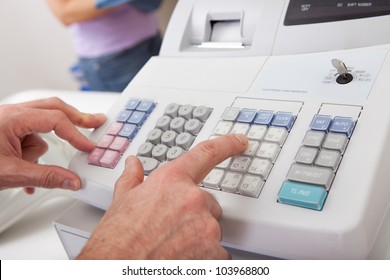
(306, 81)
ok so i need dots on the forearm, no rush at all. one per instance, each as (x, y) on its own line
(71, 11)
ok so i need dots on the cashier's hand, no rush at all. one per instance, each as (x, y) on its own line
(168, 216)
(21, 146)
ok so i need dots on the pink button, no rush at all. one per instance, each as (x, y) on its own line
(120, 144)
(114, 128)
(95, 156)
(110, 159)
(105, 141)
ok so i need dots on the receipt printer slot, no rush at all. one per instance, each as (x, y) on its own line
(213, 25)
(222, 31)
(228, 28)
(225, 31)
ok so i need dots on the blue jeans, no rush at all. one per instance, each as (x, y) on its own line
(114, 72)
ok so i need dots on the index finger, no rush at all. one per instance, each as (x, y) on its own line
(75, 116)
(29, 121)
(200, 160)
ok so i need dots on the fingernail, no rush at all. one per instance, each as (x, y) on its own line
(241, 138)
(129, 161)
(69, 184)
(100, 116)
(94, 117)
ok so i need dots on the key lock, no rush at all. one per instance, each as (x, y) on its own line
(344, 77)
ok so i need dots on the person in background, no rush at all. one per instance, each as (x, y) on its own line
(167, 216)
(112, 38)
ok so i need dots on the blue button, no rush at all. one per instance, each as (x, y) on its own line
(146, 106)
(132, 104)
(264, 117)
(129, 131)
(321, 123)
(284, 119)
(302, 195)
(343, 125)
(124, 116)
(137, 118)
(247, 115)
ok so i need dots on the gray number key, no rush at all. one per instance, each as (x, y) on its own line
(251, 186)
(240, 164)
(213, 179)
(231, 182)
(154, 136)
(145, 149)
(172, 110)
(168, 138)
(193, 126)
(225, 164)
(159, 152)
(174, 153)
(252, 148)
(177, 124)
(276, 134)
(260, 167)
(257, 132)
(185, 111)
(201, 113)
(149, 164)
(163, 123)
(184, 140)
(240, 128)
(268, 150)
(223, 127)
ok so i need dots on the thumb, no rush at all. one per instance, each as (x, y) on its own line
(46, 176)
(132, 176)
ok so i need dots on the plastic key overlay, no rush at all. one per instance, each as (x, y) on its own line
(308, 180)
(121, 132)
(247, 173)
(311, 175)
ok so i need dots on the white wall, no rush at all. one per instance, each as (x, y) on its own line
(35, 50)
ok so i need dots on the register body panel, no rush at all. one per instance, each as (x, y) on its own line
(355, 186)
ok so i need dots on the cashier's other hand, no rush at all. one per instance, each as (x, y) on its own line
(167, 216)
(21, 146)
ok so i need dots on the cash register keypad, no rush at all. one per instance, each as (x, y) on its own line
(266, 131)
(173, 134)
(317, 160)
(310, 176)
(121, 132)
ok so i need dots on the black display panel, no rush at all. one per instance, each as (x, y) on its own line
(316, 11)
